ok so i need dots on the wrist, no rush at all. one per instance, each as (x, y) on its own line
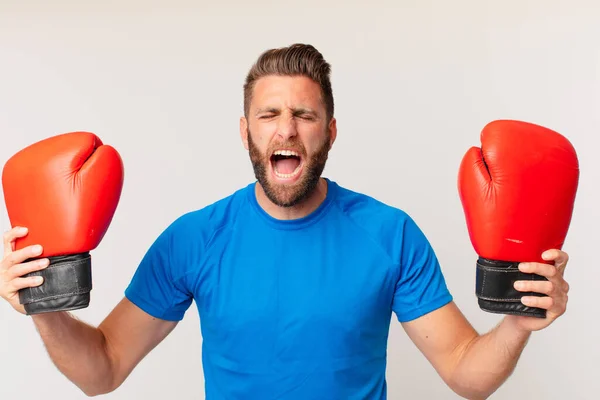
(511, 322)
(48, 321)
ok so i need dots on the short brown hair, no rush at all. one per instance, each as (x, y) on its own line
(296, 59)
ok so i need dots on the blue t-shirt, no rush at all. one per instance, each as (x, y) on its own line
(292, 309)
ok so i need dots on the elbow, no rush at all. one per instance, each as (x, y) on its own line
(95, 384)
(473, 384)
(472, 391)
(478, 388)
(473, 395)
(108, 381)
(100, 387)
(94, 393)
(98, 391)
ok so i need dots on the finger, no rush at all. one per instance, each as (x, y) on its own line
(559, 257)
(543, 287)
(22, 283)
(10, 236)
(546, 270)
(19, 256)
(545, 302)
(19, 270)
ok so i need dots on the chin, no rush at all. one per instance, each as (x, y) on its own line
(288, 190)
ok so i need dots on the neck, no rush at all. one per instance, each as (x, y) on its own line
(307, 206)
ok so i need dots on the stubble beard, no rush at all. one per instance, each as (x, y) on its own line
(289, 195)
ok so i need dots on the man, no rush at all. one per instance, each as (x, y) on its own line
(295, 277)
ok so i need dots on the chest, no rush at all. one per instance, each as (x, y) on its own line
(322, 291)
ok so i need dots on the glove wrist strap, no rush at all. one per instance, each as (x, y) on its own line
(67, 285)
(495, 288)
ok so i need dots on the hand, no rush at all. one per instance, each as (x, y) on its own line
(555, 288)
(13, 267)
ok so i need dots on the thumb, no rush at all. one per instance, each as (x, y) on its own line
(559, 257)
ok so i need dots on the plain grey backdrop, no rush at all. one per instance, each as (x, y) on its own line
(414, 83)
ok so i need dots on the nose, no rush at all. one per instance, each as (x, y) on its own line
(286, 127)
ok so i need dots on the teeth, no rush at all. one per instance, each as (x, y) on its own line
(286, 153)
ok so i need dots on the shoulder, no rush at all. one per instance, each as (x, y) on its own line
(363, 207)
(381, 220)
(185, 240)
(203, 224)
(419, 283)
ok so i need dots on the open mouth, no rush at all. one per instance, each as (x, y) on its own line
(286, 164)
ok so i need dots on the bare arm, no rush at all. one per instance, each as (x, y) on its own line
(98, 360)
(475, 365)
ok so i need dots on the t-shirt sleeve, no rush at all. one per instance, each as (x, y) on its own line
(421, 286)
(157, 286)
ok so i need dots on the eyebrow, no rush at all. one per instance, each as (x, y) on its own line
(267, 110)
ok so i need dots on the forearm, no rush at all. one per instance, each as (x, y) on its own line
(78, 350)
(488, 360)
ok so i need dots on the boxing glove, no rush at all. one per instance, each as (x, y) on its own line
(518, 193)
(65, 190)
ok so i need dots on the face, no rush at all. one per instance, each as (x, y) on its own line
(288, 137)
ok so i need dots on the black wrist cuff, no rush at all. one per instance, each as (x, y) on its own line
(67, 285)
(495, 288)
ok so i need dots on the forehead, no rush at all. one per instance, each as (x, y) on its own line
(286, 91)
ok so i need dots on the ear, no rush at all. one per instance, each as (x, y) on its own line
(333, 131)
(244, 131)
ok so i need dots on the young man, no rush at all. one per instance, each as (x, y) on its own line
(295, 277)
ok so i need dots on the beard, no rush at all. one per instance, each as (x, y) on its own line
(289, 195)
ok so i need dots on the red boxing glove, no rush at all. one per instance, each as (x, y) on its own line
(518, 193)
(65, 190)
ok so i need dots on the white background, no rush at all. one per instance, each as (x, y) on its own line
(414, 82)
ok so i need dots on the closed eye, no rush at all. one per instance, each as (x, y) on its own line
(306, 115)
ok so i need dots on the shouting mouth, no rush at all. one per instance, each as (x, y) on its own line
(286, 165)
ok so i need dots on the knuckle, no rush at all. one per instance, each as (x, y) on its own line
(12, 259)
(22, 283)
(22, 255)
(27, 268)
(532, 301)
(17, 272)
(37, 266)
